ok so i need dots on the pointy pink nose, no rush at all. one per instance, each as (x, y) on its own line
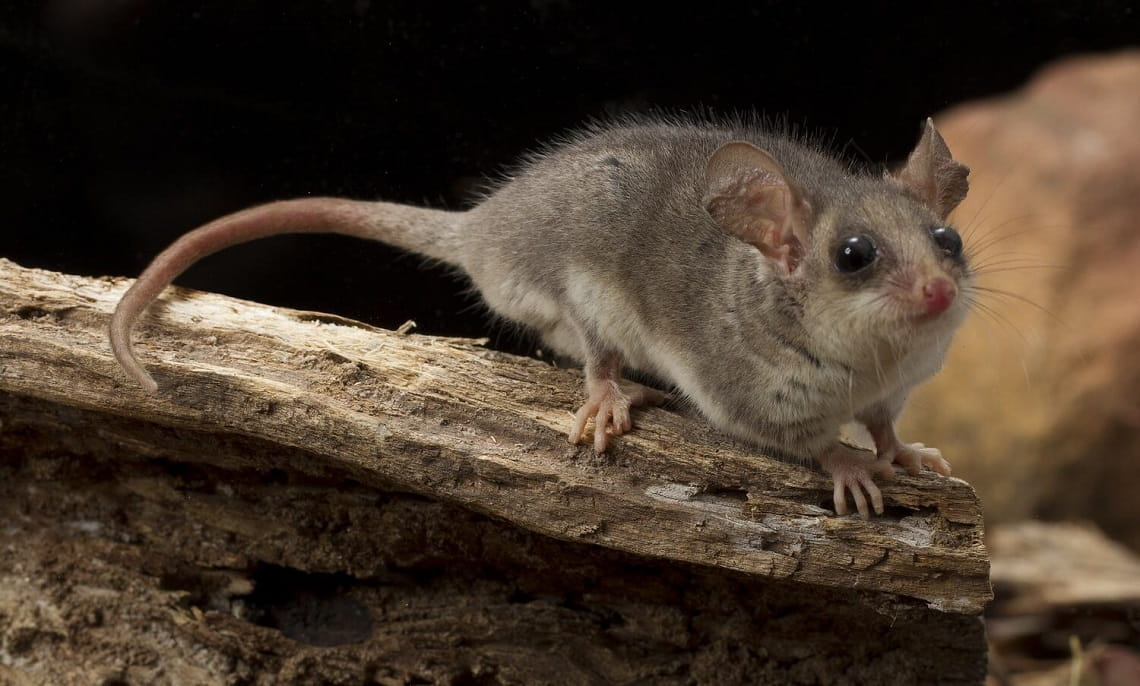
(938, 294)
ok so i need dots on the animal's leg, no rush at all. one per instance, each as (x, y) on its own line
(609, 399)
(912, 456)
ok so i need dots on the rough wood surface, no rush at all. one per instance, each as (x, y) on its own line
(478, 429)
(126, 559)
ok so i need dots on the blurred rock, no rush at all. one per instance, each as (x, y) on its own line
(1066, 602)
(1039, 404)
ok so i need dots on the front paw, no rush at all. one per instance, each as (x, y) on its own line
(852, 470)
(915, 456)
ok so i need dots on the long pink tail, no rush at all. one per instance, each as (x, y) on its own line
(425, 231)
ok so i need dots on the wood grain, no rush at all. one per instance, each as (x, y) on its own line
(481, 430)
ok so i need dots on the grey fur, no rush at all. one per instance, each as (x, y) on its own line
(603, 244)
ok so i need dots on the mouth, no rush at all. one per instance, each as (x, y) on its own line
(950, 315)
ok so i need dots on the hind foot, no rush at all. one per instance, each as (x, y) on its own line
(608, 402)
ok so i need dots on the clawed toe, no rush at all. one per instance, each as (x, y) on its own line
(911, 457)
(608, 402)
(581, 417)
(609, 406)
(915, 456)
(853, 471)
(621, 420)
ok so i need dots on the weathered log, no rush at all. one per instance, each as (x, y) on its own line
(283, 444)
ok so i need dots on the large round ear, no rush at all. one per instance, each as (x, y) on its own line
(750, 197)
(932, 174)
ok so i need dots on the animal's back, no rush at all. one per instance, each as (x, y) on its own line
(579, 223)
(612, 220)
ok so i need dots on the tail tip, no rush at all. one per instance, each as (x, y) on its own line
(148, 383)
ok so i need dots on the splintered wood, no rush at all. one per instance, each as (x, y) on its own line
(477, 429)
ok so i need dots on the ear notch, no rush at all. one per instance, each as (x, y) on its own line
(750, 197)
(933, 174)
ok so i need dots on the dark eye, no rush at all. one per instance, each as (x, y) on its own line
(855, 253)
(948, 240)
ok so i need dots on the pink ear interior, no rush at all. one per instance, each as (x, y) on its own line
(749, 196)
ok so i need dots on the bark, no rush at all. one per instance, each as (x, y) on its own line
(311, 499)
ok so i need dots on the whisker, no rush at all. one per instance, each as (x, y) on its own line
(1019, 298)
(1014, 268)
(851, 391)
(999, 319)
(878, 366)
(993, 237)
(981, 257)
(998, 263)
(1007, 256)
(990, 240)
(975, 222)
(994, 189)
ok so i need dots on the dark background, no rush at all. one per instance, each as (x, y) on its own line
(124, 124)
